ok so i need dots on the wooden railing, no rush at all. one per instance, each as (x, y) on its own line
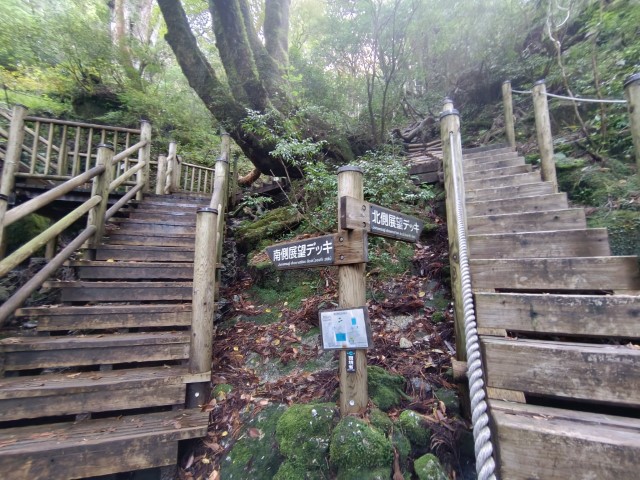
(101, 172)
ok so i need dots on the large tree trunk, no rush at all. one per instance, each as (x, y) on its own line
(255, 72)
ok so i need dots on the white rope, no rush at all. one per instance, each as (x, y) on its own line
(574, 99)
(522, 91)
(485, 464)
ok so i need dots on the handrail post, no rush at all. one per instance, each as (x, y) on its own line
(220, 180)
(450, 126)
(11, 163)
(100, 187)
(543, 132)
(172, 158)
(144, 155)
(354, 394)
(507, 102)
(204, 275)
(161, 179)
(632, 94)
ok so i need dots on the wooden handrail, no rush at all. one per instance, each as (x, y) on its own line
(56, 121)
(122, 202)
(200, 167)
(125, 153)
(122, 178)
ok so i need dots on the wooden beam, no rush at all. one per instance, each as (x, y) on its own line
(536, 203)
(497, 172)
(566, 219)
(496, 193)
(506, 181)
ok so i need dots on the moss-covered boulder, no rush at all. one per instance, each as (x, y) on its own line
(403, 447)
(255, 455)
(304, 432)
(381, 421)
(359, 450)
(250, 233)
(385, 389)
(414, 426)
(293, 471)
(450, 400)
(428, 467)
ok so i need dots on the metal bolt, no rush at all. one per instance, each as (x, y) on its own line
(352, 402)
(341, 257)
(341, 239)
(364, 224)
(364, 207)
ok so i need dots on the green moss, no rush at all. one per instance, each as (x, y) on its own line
(623, 227)
(250, 233)
(437, 317)
(376, 474)
(388, 258)
(255, 457)
(359, 447)
(25, 229)
(414, 427)
(381, 421)
(293, 471)
(449, 398)
(385, 389)
(303, 433)
(428, 467)
(403, 446)
(221, 390)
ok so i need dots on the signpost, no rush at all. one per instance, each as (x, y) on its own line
(348, 329)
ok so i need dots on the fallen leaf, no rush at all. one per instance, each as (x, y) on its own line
(421, 294)
(215, 475)
(189, 462)
(224, 434)
(235, 349)
(254, 433)
(74, 375)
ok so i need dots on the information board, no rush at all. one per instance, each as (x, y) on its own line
(345, 329)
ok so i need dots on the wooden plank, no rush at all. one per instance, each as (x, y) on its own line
(123, 291)
(98, 317)
(98, 270)
(486, 150)
(497, 172)
(433, 177)
(152, 240)
(490, 158)
(537, 203)
(564, 243)
(506, 181)
(589, 315)
(140, 228)
(426, 166)
(570, 273)
(540, 442)
(496, 163)
(496, 193)
(567, 219)
(98, 447)
(506, 395)
(171, 217)
(601, 373)
(24, 353)
(144, 253)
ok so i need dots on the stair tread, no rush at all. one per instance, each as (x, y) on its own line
(516, 197)
(101, 309)
(128, 264)
(114, 283)
(503, 193)
(175, 425)
(145, 222)
(68, 342)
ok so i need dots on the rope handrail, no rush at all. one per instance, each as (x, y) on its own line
(574, 99)
(485, 464)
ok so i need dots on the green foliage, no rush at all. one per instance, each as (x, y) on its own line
(20, 232)
(414, 427)
(428, 467)
(358, 447)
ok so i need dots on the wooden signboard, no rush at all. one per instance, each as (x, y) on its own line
(358, 214)
(320, 251)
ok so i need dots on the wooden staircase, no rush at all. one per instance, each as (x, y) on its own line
(559, 324)
(101, 388)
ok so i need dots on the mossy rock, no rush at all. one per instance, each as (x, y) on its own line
(428, 467)
(25, 229)
(304, 432)
(623, 227)
(415, 428)
(292, 471)
(383, 473)
(385, 389)
(449, 398)
(359, 447)
(255, 457)
(250, 233)
(403, 446)
(381, 421)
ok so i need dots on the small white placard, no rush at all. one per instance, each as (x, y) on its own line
(345, 329)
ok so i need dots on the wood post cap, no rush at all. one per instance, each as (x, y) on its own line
(350, 168)
(222, 159)
(446, 113)
(506, 81)
(105, 145)
(539, 82)
(207, 210)
(632, 79)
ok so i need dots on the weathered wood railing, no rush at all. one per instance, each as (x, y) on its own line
(207, 258)
(101, 173)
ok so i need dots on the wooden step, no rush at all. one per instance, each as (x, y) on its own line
(592, 242)
(537, 203)
(497, 193)
(474, 161)
(100, 317)
(504, 163)
(144, 253)
(567, 219)
(168, 204)
(170, 217)
(431, 177)
(163, 219)
(25, 353)
(123, 291)
(98, 447)
(427, 166)
(88, 392)
(505, 181)
(585, 315)
(497, 172)
(554, 444)
(582, 273)
(151, 240)
(142, 228)
(162, 208)
(583, 371)
(104, 270)
(486, 150)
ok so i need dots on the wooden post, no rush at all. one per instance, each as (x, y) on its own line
(507, 102)
(11, 164)
(144, 155)
(161, 179)
(101, 187)
(219, 202)
(354, 395)
(543, 132)
(172, 158)
(204, 274)
(450, 128)
(50, 249)
(632, 93)
(234, 181)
